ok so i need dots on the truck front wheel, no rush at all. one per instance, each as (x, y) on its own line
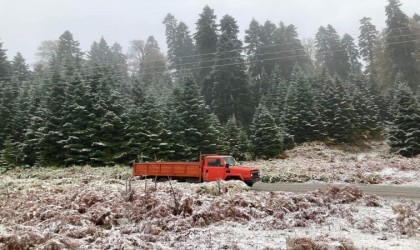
(249, 183)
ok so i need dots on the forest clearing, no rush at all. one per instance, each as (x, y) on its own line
(314, 105)
(97, 208)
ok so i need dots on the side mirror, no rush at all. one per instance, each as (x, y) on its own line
(227, 165)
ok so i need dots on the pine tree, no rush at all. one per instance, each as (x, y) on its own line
(404, 134)
(232, 92)
(301, 116)
(206, 45)
(400, 44)
(266, 141)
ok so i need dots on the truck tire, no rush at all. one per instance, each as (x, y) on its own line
(249, 184)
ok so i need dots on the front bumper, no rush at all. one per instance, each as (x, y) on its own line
(255, 176)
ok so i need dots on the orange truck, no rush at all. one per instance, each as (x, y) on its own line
(209, 168)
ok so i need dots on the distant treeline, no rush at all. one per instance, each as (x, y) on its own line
(211, 92)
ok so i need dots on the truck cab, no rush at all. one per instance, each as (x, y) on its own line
(225, 167)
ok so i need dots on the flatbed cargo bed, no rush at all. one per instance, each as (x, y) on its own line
(165, 169)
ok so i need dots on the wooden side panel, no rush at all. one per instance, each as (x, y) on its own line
(178, 169)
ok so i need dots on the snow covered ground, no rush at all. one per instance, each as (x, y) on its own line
(319, 163)
(96, 208)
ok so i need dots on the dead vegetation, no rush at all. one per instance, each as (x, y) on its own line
(319, 243)
(97, 208)
(318, 162)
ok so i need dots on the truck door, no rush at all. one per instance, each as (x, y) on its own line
(214, 169)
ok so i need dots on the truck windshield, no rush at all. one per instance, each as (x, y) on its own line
(231, 161)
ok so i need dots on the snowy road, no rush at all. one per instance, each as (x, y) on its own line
(387, 191)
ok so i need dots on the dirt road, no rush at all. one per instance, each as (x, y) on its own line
(387, 191)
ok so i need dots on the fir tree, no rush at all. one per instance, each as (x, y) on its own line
(253, 41)
(28, 148)
(352, 54)
(290, 51)
(174, 128)
(7, 111)
(206, 45)
(108, 145)
(266, 141)
(400, 44)
(404, 134)
(68, 55)
(368, 39)
(196, 121)
(232, 93)
(260, 86)
(366, 113)
(51, 133)
(20, 70)
(170, 31)
(153, 63)
(330, 52)
(78, 122)
(152, 127)
(109, 148)
(336, 110)
(301, 116)
(275, 97)
(8, 158)
(267, 50)
(236, 139)
(4, 64)
(183, 49)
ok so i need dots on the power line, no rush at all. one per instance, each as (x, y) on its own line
(235, 63)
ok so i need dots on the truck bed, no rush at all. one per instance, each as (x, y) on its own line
(168, 169)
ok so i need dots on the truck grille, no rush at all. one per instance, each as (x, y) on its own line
(255, 174)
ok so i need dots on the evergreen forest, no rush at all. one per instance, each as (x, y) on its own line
(212, 92)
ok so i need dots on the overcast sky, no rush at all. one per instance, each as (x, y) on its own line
(24, 24)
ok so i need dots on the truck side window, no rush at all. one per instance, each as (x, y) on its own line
(214, 162)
